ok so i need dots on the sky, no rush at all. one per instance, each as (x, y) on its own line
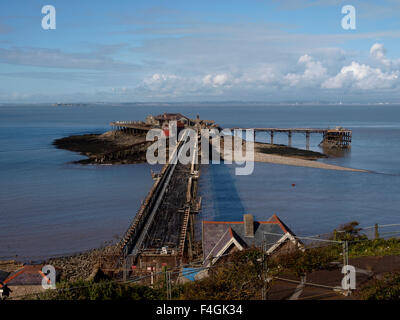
(150, 51)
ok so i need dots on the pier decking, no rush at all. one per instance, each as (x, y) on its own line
(162, 232)
(134, 127)
(337, 137)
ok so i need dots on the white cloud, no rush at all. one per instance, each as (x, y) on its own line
(378, 52)
(299, 78)
(313, 73)
(215, 80)
(261, 78)
(158, 78)
(362, 76)
(366, 77)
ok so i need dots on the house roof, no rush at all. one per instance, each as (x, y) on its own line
(229, 236)
(170, 116)
(216, 234)
(27, 275)
(3, 275)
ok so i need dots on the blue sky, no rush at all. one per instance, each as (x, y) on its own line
(253, 50)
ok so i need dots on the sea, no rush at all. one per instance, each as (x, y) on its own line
(50, 206)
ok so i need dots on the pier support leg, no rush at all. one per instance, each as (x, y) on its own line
(272, 137)
(307, 140)
(189, 246)
(290, 138)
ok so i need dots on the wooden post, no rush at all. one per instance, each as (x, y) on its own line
(376, 231)
(290, 138)
(272, 137)
(124, 274)
(308, 140)
(190, 248)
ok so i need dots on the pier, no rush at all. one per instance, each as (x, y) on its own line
(132, 127)
(162, 232)
(336, 138)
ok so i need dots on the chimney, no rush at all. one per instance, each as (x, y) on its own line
(248, 225)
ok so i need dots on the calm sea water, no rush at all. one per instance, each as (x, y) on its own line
(49, 206)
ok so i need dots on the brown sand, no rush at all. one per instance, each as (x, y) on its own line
(291, 156)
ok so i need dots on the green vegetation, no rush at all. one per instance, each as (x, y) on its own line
(300, 263)
(360, 246)
(386, 289)
(103, 290)
(349, 232)
(238, 277)
(377, 247)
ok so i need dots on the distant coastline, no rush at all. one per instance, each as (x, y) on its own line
(201, 103)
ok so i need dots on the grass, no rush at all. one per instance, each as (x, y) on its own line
(377, 247)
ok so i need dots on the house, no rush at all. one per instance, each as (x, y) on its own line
(220, 238)
(3, 276)
(163, 120)
(26, 280)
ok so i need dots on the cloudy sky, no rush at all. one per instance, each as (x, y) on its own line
(220, 50)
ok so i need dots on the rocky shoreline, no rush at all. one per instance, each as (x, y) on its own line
(94, 146)
(81, 266)
(286, 151)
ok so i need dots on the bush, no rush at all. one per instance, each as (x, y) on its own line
(104, 290)
(377, 247)
(238, 278)
(349, 232)
(386, 289)
(301, 263)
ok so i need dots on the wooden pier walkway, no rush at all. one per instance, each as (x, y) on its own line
(134, 127)
(162, 232)
(337, 137)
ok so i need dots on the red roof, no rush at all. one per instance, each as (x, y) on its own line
(27, 275)
(274, 220)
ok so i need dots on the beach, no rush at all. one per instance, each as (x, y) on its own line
(284, 155)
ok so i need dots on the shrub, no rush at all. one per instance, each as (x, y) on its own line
(377, 247)
(103, 290)
(238, 278)
(386, 289)
(301, 263)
